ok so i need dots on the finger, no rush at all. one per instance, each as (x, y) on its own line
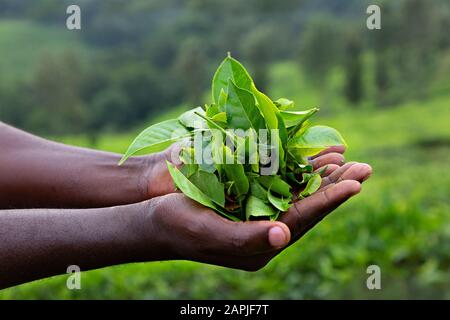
(338, 149)
(336, 174)
(330, 158)
(246, 238)
(172, 154)
(306, 213)
(357, 171)
(329, 169)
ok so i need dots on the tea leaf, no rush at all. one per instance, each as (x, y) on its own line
(222, 100)
(220, 117)
(312, 186)
(229, 69)
(276, 184)
(282, 131)
(294, 118)
(189, 169)
(211, 110)
(190, 119)
(275, 216)
(284, 104)
(235, 172)
(282, 204)
(191, 191)
(241, 109)
(267, 108)
(256, 207)
(157, 138)
(209, 185)
(257, 190)
(313, 140)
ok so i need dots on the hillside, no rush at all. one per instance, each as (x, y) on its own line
(23, 43)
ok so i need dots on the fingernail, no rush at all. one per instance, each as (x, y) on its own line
(277, 238)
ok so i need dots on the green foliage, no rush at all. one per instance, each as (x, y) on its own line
(313, 140)
(244, 110)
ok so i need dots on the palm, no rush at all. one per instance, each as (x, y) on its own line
(338, 185)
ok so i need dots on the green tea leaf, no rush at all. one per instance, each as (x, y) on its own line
(229, 69)
(252, 150)
(312, 186)
(222, 100)
(267, 108)
(282, 131)
(191, 191)
(297, 162)
(275, 216)
(296, 118)
(282, 204)
(190, 119)
(276, 184)
(187, 155)
(189, 169)
(256, 207)
(257, 190)
(220, 117)
(211, 110)
(217, 143)
(235, 172)
(313, 140)
(284, 104)
(214, 125)
(241, 109)
(290, 176)
(188, 188)
(209, 184)
(157, 138)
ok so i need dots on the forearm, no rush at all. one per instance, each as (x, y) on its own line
(37, 173)
(38, 243)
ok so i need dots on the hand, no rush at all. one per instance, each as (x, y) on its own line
(184, 229)
(158, 180)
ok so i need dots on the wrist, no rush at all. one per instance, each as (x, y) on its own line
(131, 180)
(153, 243)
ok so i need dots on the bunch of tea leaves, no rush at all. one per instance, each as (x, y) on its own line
(246, 156)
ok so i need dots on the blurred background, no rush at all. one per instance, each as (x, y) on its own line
(138, 62)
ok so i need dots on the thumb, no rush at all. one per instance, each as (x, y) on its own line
(254, 237)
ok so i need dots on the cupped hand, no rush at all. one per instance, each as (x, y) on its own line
(186, 230)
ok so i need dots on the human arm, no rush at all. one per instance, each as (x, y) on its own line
(38, 173)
